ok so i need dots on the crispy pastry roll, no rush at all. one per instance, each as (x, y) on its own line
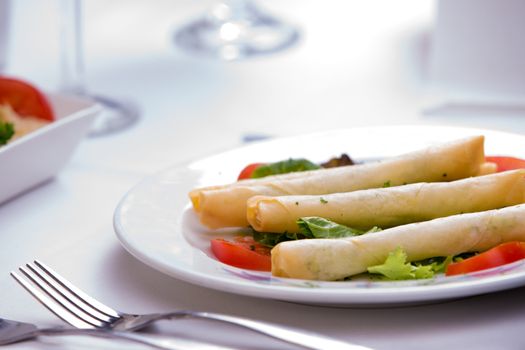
(333, 259)
(223, 206)
(388, 207)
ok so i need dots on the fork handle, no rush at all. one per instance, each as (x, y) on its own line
(159, 343)
(283, 333)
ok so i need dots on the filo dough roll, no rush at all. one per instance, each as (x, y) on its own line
(334, 259)
(388, 207)
(223, 206)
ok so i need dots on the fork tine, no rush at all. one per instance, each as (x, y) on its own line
(71, 298)
(80, 295)
(60, 300)
(51, 305)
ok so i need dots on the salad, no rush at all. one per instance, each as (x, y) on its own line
(23, 109)
(407, 217)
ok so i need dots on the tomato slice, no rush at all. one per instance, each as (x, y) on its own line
(248, 170)
(500, 255)
(25, 99)
(506, 163)
(243, 252)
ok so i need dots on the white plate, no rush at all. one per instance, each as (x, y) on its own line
(155, 223)
(38, 156)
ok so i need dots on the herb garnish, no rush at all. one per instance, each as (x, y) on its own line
(7, 130)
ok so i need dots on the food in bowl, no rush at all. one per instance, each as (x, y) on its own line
(23, 109)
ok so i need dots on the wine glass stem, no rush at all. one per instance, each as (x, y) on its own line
(4, 33)
(71, 50)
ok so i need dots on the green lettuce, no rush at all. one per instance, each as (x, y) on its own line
(317, 227)
(310, 227)
(396, 267)
(272, 239)
(283, 167)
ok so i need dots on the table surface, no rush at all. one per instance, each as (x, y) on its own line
(357, 64)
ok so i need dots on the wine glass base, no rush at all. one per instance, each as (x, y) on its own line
(244, 34)
(115, 116)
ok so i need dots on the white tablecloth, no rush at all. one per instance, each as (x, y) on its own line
(357, 63)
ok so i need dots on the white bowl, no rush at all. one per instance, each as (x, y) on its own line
(37, 157)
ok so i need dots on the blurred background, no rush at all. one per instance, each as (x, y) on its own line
(354, 63)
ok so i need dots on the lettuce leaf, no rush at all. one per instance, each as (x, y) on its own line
(310, 227)
(396, 267)
(317, 227)
(283, 167)
(270, 239)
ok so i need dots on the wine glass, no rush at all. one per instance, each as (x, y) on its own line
(236, 29)
(116, 115)
(4, 28)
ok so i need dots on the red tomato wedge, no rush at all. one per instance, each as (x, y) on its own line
(248, 170)
(502, 254)
(243, 252)
(506, 163)
(25, 99)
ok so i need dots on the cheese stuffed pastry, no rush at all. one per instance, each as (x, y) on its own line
(392, 206)
(334, 259)
(223, 206)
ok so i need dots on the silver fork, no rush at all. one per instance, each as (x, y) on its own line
(82, 311)
(15, 331)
